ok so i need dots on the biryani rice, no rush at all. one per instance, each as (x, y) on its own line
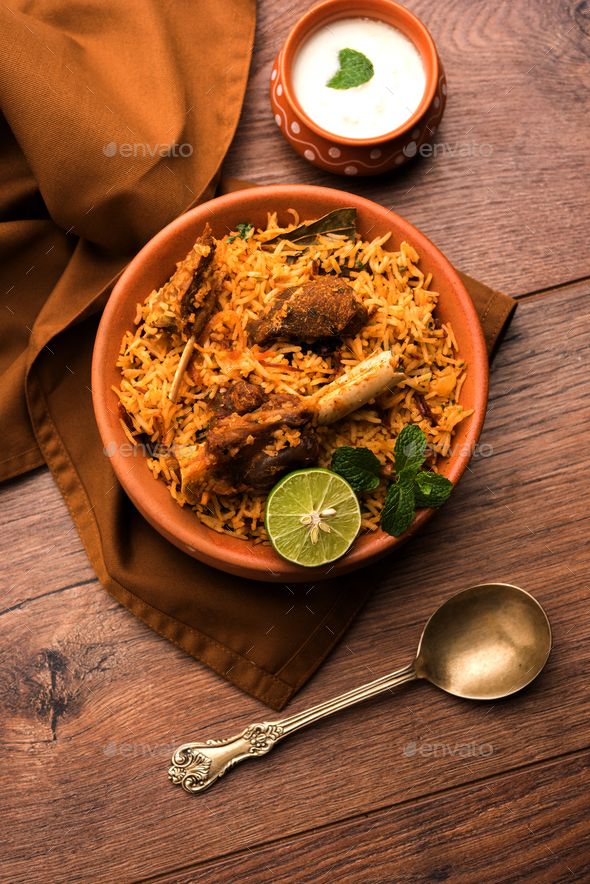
(396, 293)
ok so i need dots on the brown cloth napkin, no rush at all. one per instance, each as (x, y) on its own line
(100, 101)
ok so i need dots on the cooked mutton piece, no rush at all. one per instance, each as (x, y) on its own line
(241, 398)
(179, 300)
(197, 305)
(263, 470)
(236, 456)
(326, 307)
(235, 441)
(251, 464)
(198, 302)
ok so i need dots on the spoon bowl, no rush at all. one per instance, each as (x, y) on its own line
(484, 643)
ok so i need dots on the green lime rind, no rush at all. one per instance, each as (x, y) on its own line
(309, 493)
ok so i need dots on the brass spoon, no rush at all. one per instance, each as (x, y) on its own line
(485, 643)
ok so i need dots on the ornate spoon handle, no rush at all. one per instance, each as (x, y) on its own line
(196, 766)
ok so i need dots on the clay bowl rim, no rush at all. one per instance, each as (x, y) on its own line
(193, 537)
(333, 10)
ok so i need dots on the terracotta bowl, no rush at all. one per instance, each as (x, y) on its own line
(154, 265)
(357, 156)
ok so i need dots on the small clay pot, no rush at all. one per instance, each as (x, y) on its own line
(357, 156)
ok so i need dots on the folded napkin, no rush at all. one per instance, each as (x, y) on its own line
(116, 119)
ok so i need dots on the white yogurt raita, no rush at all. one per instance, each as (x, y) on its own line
(374, 108)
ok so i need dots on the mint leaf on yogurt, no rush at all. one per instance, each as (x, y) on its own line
(355, 69)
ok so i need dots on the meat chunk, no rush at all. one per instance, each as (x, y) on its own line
(264, 470)
(198, 302)
(251, 450)
(235, 446)
(235, 431)
(197, 305)
(241, 398)
(327, 307)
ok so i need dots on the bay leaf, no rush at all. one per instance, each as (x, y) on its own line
(339, 221)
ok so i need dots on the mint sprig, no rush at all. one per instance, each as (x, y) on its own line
(412, 488)
(358, 466)
(355, 69)
(431, 489)
(410, 450)
(399, 508)
(243, 229)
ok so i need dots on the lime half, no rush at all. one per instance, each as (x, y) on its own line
(312, 517)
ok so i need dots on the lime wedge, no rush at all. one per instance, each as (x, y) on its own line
(312, 517)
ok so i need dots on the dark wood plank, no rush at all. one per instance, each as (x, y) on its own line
(92, 702)
(526, 826)
(40, 550)
(504, 197)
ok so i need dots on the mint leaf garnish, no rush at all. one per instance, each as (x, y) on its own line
(243, 229)
(399, 508)
(355, 69)
(431, 489)
(412, 487)
(358, 466)
(410, 450)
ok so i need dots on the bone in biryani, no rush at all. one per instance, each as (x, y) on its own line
(268, 349)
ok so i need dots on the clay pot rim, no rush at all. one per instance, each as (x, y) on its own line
(392, 13)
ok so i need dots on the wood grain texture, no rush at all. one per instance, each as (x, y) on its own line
(531, 822)
(414, 787)
(92, 702)
(39, 543)
(504, 196)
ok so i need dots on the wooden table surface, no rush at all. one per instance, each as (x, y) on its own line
(415, 787)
